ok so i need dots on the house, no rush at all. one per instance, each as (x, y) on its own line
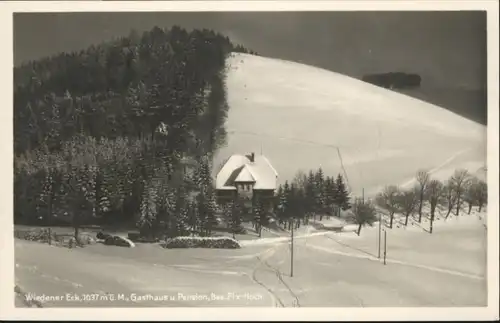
(248, 176)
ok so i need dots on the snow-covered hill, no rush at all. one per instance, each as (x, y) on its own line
(298, 116)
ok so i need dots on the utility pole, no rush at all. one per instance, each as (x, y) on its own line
(49, 183)
(50, 213)
(385, 246)
(291, 257)
(379, 232)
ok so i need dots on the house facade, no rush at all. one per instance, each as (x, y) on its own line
(247, 176)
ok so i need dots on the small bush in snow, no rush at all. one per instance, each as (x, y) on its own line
(103, 236)
(202, 242)
(118, 241)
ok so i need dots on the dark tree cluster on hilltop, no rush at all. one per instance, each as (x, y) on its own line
(394, 80)
(106, 133)
(242, 49)
(125, 87)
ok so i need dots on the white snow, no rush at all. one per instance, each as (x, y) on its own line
(331, 222)
(259, 171)
(265, 241)
(204, 238)
(127, 241)
(446, 268)
(245, 175)
(300, 114)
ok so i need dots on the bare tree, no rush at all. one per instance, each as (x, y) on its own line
(470, 196)
(363, 213)
(449, 197)
(423, 178)
(459, 180)
(388, 200)
(433, 194)
(482, 195)
(407, 202)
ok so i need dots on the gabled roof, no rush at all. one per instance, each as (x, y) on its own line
(245, 175)
(239, 168)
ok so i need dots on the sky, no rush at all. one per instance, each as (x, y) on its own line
(448, 49)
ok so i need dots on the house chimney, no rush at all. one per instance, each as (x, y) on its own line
(252, 157)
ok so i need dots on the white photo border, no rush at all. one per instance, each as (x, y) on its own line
(7, 309)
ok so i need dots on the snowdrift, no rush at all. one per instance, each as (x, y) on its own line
(119, 242)
(302, 117)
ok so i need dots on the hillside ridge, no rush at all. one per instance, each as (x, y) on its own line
(303, 117)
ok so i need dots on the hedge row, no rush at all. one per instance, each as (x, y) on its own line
(60, 240)
(136, 237)
(202, 242)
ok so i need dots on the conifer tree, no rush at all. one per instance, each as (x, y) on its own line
(291, 204)
(181, 212)
(237, 209)
(310, 194)
(166, 224)
(342, 198)
(298, 205)
(193, 217)
(277, 199)
(284, 203)
(211, 209)
(202, 213)
(330, 194)
(320, 202)
(129, 88)
(259, 214)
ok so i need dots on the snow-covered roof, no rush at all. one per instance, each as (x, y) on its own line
(239, 168)
(245, 175)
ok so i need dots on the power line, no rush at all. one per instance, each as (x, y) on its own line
(343, 169)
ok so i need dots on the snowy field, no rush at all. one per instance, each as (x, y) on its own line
(446, 268)
(297, 114)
